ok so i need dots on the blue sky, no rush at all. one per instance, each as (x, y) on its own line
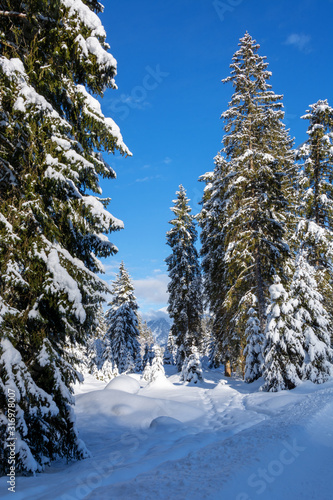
(171, 58)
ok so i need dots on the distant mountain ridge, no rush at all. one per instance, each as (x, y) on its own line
(160, 328)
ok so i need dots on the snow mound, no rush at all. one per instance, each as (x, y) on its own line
(134, 411)
(266, 404)
(124, 383)
(165, 424)
(122, 409)
(161, 382)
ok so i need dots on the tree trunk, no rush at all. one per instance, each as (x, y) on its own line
(227, 369)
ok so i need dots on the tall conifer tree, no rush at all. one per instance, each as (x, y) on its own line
(185, 295)
(306, 346)
(317, 197)
(247, 205)
(212, 220)
(123, 325)
(317, 156)
(312, 320)
(53, 57)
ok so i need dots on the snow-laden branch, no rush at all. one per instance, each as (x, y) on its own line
(7, 13)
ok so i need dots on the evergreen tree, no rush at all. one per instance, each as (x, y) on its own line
(312, 320)
(53, 57)
(185, 295)
(207, 337)
(96, 347)
(304, 353)
(43, 430)
(254, 344)
(170, 352)
(317, 156)
(76, 354)
(245, 209)
(100, 324)
(146, 339)
(88, 356)
(122, 321)
(316, 194)
(212, 220)
(192, 371)
(148, 355)
(31, 415)
(167, 356)
(283, 350)
(298, 335)
(108, 369)
(155, 371)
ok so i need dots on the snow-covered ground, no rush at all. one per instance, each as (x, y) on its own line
(221, 440)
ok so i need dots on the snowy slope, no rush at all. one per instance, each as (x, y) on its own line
(221, 439)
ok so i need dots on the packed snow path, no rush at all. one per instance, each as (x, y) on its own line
(220, 439)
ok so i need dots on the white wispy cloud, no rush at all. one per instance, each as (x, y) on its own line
(148, 178)
(152, 289)
(151, 292)
(137, 103)
(300, 41)
(111, 268)
(156, 314)
(143, 179)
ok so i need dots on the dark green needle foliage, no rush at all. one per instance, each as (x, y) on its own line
(185, 294)
(123, 325)
(53, 57)
(245, 211)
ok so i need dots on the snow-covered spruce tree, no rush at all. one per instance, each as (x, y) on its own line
(298, 333)
(254, 346)
(245, 208)
(192, 370)
(185, 294)
(146, 338)
(35, 409)
(213, 223)
(53, 56)
(148, 355)
(122, 322)
(95, 346)
(312, 320)
(88, 356)
(207, 337)
(108, 369)
(167, 356)
(317, 196)
(100, 326)
(283, 350)
(317, 156)
(170, 352)
(155, 371)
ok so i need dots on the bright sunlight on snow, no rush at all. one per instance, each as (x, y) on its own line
(218, 439)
